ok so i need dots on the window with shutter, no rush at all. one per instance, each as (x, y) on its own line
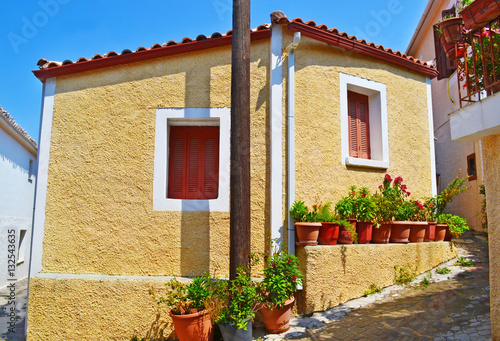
(193, 162)
(359, 129)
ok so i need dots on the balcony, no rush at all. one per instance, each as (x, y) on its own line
(478, 74)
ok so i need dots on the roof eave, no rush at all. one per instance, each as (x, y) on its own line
(16, 135)
(358, 47)
(163, 51)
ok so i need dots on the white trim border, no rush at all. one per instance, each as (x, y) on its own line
(49, 91)
(160, 182)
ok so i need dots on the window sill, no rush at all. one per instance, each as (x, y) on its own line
(357, 162)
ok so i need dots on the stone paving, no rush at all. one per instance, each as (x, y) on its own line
(19, 296)
(454, 306)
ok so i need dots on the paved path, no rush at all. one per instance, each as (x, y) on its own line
(7, 297)
(454, 307)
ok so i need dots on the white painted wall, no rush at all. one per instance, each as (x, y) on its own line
(16, 205)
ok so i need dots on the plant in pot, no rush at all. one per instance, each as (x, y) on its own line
(456, 224)
(281, 280)
(451, 27)
(306, 224)
(365, 210)
(232, 304)
(329, 231)
(418, 222)
(394, 208)
(429, 215)
(344, 209)
(477, 13)
(187, 302)
(441, 200)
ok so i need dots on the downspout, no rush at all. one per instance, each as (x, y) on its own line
(291, 139)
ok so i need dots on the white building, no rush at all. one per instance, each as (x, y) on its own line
(18, 162)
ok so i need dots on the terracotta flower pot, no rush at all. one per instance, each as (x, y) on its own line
(197, 326)
(440, 232)
(345, 235)
(452, 29)
(307, 233)
(400, 232)
(364, 231)
(479, 12)
(382, 234)
(329, 233)
(417, 231)
(277, 321)
(447, 236)
(230, 332)
(430, 231)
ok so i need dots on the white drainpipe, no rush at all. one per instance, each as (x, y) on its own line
(276, 135)
(291, 139)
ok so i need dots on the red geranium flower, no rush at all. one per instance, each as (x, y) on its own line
(274, 265)
(398, 179)
(388, 177)
(404, 188)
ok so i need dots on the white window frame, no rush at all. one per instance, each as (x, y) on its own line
(195, 117)
(379, 134)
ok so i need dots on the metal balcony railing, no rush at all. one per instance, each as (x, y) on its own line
(478, 63)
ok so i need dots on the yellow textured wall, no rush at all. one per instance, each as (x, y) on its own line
(491, 147)
(94, 309)
(320, 176)
(99, 212)
(336, 274)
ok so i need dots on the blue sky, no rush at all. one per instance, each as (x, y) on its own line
(69, 29)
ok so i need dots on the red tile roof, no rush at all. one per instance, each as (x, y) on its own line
(320, 32)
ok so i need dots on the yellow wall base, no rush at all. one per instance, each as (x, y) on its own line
(336, 274)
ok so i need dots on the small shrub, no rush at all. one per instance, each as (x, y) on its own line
(443, 271)
(464, 262)
(374, 289)
(424, 283)
(404, 275)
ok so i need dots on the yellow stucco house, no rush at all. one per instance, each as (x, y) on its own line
(133, 182)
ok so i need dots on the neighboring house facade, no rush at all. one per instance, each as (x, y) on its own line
(18, 160)
(134, 161)
(473, 126)
(452, 157)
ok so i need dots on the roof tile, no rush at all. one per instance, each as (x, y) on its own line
(277, 17)
(17, 127)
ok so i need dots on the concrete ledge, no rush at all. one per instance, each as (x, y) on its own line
(335, 274)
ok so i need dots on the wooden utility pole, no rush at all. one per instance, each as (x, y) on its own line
(240, 138)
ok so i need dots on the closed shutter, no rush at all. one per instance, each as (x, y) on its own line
(193, 162)
(359, 127)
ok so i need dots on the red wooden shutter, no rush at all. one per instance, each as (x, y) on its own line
(195, 175)
(359, 127)
(177, 164)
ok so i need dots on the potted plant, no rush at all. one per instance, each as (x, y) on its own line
(345, 211)
(456, 225)
(232, 304)
(476, 13)
(281, 280)
(306, 224)
(187, 302)
(365, 210)
(394, 209)
(418, 223)
(329, 231)
(430, 216)
(451, 28)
